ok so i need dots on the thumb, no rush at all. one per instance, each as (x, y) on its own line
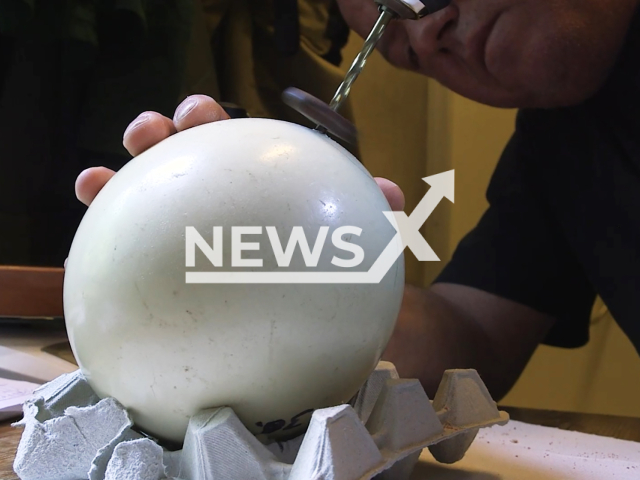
(392, 192)
(90, 182)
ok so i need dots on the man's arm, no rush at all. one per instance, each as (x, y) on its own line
(453, 326)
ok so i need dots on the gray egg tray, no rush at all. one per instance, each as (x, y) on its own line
(70, 434)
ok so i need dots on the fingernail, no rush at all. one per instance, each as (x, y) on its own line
(184, 108)
(142, 118)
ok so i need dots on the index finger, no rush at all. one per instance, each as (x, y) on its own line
(90, 182)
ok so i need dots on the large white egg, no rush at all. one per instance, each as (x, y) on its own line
(166, 348)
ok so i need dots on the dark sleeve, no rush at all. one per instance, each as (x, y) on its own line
(518, 252)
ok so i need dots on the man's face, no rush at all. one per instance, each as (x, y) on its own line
(515, 53)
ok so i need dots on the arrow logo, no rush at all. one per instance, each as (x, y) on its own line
(407, 235)
(442, 186)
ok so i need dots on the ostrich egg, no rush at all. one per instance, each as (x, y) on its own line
(238, 200)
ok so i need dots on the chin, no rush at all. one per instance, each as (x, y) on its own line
(541, 82)
(545, 82)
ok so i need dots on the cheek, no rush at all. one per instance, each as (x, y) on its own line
(508, 48)
(541, 55)
(528, 54)
(457, 76)
(530, 60)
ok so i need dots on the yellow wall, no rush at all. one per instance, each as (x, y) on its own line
(469, 138)
(390, 110)
(601, 377)
(412, 127)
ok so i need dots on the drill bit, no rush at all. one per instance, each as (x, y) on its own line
(326, 117)
(359, 62)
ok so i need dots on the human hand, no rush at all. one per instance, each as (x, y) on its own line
(151, 128)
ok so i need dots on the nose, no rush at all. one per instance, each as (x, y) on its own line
(425, 35)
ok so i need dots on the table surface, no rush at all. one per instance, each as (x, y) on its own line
(624, 428)
(9, 438)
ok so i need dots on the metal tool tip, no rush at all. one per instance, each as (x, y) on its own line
(321, 114)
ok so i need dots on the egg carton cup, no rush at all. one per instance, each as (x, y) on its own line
(71, 434)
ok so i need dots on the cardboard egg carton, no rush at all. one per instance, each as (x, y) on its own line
(70, 434)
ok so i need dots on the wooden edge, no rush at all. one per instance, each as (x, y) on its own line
(31, 291)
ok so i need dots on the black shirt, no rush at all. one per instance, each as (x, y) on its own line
(563, 223)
